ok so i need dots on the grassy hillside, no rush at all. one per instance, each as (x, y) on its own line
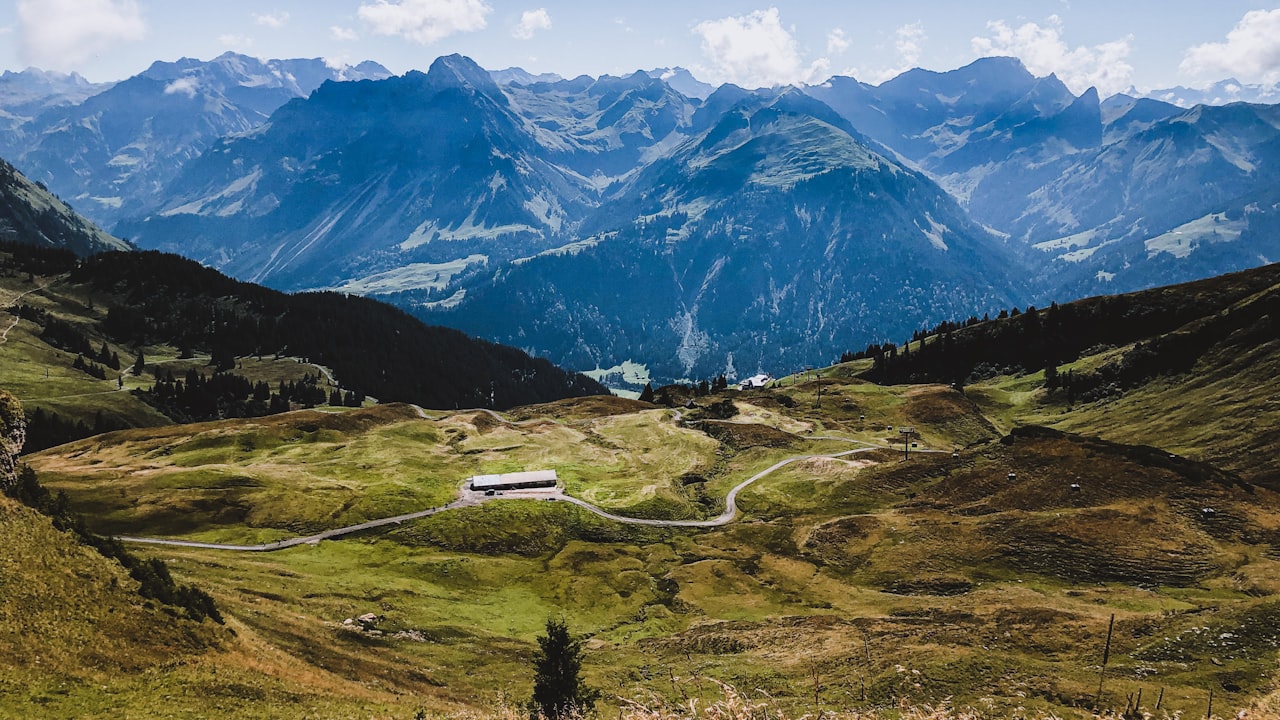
(1190, 368)
(981, 566)
(868, 577)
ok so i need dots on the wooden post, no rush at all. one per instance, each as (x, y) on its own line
(1160, 700)
(1137, 704)
(1209, 713)
(1106, 655)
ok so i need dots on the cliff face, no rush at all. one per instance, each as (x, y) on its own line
(13, 433)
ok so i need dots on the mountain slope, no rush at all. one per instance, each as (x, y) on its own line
(411, 173)
(31, 215)
(765, 241)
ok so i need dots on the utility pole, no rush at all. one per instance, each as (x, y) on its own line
(907, 433)
(1106, 655)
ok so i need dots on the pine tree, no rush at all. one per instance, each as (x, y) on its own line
(558, 690)
(646, 395)
(139, 364)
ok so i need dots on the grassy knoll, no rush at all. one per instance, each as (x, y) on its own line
(265, 478)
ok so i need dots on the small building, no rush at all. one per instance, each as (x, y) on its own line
(515, 481)
(755, 381)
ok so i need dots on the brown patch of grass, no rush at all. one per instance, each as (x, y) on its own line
(741, 436)
(946, 411)
(583, 408)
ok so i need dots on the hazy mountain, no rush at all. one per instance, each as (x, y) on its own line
(31, 215)
(606, 129)
(1171, 194)
(1191, 196)
(683, 82)
(113, 153)
(515, 75)
(1223, 92)
(26, 94)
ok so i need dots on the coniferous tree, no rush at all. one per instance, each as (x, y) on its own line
(140, 364)
(646, 395)
(558, 689)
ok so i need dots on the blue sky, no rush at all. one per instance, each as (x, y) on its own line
(1111, 44)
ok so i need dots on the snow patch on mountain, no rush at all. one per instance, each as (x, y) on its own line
(452, 301)
(430, 231)
(547, 210)
(628, 371)
(1078, 240)
(1182, 240)
(242, 186)
(934, 232)
(1080, 255)
(572, 248)
(415, 276)
(693, 342)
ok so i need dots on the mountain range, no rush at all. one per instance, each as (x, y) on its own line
(654, 219)
(112, 152)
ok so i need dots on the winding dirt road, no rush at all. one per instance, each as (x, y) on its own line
(469, 498)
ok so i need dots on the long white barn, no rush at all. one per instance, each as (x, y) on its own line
(515, 481)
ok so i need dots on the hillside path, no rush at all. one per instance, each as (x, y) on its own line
(4, 334)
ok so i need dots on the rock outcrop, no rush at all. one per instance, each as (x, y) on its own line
(13, 433)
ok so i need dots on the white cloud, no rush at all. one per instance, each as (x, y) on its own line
(837, 41)
(235, 42)
(425, 21)
(62, 34)
(1251, 51)
(185, 86)
(272, 20)
(908, 44)
(754, 50)
(1043, 51)
(343, 34)
(531, 22)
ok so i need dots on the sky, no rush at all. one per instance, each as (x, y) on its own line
(1109, 44)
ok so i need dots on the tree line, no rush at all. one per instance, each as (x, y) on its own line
(196, 397)
(1032, 340)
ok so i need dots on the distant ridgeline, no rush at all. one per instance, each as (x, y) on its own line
(1169, 328)
(372, 348)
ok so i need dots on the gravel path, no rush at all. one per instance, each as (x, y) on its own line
(468, 498)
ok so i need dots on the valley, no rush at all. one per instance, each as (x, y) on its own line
(984, 573)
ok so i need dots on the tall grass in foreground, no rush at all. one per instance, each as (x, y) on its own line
(734, 705)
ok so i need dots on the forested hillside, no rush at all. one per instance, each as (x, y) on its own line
(373, 350)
